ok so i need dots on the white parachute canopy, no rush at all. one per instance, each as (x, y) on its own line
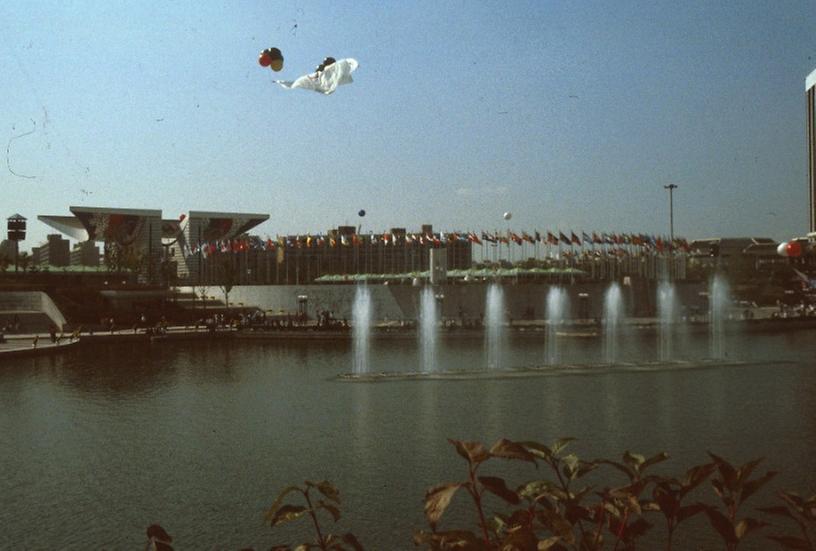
(327, 80)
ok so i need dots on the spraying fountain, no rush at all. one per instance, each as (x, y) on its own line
(613, 310)
(556, 308)
(666, 313)
(494, 330)
(428, 329)
(361, 328)
(718, 299)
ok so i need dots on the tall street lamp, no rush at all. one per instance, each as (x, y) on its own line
(671, 188)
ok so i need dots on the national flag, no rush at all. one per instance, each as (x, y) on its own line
(564, 238)
(596, 239)
(537, 237)
(473, 238)
(527, 237)
(587, 239)
(574, 239)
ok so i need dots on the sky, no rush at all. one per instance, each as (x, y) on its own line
(571, 115)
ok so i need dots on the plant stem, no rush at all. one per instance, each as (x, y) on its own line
(320, 541)
(478, 500)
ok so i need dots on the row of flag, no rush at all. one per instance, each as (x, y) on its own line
(645, 241)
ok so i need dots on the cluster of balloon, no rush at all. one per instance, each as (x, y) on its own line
(326, 62)
(508, 215)
(792, 249)
(272, 58)
(361, 213)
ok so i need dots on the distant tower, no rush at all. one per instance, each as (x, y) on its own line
(810, 93)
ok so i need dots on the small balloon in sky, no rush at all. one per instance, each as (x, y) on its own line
(508, 215)
(327, 76)
(361, 213)
(272, 58)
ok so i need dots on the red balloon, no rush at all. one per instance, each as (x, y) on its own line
(264, 59)
(794, 249)
(182, 217)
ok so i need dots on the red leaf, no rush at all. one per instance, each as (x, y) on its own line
(511, 450)
(498, 487)
(721, 524)
(474, 452)
(437, 500)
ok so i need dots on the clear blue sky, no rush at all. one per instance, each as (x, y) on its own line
(572, 115)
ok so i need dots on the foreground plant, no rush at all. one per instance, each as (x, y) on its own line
(280, 513)
(562, 510)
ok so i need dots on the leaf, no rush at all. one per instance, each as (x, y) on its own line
(559, 445)
(750, 487)
(507, 449)
(352, 540)
(335, 512)
(667, 499)
(585, 467)
(329, 491)
(746, 526)
(570, 462)
(634, 460)
(538, 449)
(544, 545)
(689, 511)
(727, 471)
(437, 500)
(655, 459)
(778, 510)
(538, 489)
(792, 542)
(497, 486)
(721, 524)
(696, 476)
(473, 452)
(557, 524)
(621, 467)
(287, 513)
(744, 472)
(636, 529)
(453, 539)
(278, 500)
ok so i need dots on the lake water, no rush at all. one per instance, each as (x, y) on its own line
(200, 437)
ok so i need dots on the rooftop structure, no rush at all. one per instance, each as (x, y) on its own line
(147, 238)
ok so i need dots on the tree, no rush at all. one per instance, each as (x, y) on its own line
(228, 275)
(23, 261)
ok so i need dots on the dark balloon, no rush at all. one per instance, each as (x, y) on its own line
(272, 58)
(361, 213)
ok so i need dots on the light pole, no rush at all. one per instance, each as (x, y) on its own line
(671, 188)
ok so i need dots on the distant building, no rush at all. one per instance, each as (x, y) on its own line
(755, 254)
(85, 253)
(140, 241)
(7, 249)
(55, 251)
